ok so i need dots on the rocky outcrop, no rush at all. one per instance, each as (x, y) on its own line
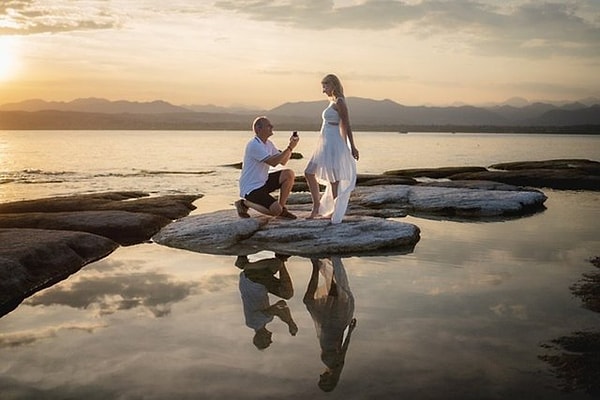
(223, 232)
(361, 232)
(125, 228)
(433, 200)
(43, 241)
(570, 174)
(300, 184)
(474, 200)
(171, 207)
(434, 173)
(32, 259)
(542, 178)
(125, 217)
(592, 167)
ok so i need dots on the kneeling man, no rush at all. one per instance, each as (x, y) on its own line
(256, 183)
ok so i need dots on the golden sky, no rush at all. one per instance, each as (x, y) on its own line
(261, 53)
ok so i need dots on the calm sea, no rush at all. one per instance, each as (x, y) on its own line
(466, 315)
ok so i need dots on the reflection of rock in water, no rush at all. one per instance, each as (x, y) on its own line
(578, 363)
(588, 288)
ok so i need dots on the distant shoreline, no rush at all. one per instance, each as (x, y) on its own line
(69, 120)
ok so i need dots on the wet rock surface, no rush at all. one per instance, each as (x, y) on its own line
(32, 259)
(365, 229)
(43, 241)
(561, 174)
(475, 200)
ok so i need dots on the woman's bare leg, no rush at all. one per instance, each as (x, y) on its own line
(334, 189)
(315, 194)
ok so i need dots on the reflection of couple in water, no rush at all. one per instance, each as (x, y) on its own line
(257, 280)
(331, 306)
(328, 299)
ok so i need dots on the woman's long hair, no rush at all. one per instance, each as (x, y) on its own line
(338, 89)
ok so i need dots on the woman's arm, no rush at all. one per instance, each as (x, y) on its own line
(345, 127)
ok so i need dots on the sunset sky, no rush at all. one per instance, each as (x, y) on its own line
(261, 53)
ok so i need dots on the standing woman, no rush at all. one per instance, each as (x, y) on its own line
(333, 162)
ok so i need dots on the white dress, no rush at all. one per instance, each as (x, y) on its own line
(332, 161)
(331, 314)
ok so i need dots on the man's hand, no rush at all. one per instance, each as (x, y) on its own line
(294, 141)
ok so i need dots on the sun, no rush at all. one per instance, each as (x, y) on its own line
(8, 58)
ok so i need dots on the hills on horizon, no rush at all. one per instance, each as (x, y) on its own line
(365, 114)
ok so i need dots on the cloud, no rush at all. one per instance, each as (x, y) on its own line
(23, 338)
(529, 29)
(30, 17)
(544, 29)
(515, 28)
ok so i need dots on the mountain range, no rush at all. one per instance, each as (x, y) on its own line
(366, 114)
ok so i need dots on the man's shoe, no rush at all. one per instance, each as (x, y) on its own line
(241, 208)
(282, 257)
(286, 214)
(241, 261)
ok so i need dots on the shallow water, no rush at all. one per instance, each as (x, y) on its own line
(464, 315)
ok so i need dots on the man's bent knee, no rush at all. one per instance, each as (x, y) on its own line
(286, 175)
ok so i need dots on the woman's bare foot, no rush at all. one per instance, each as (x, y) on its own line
(314, 213)
(328, 215)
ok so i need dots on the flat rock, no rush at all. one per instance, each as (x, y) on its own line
(434, 173)
(300, 184)
(570, 174)
(125, 228)
(476, 200)
(562, 179)
(223, 232)
(169, 206)
(564, 163)
(478, 203)
(451, 201)
(32, 259)
(43, 241)
(564, 174)
(125, 217)
(213, 233)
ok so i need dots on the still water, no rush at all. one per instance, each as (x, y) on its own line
(465, 315)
